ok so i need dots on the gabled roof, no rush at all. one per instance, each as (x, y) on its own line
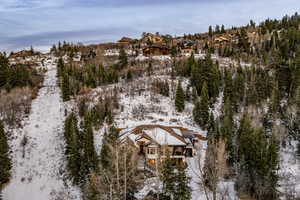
(159, 134)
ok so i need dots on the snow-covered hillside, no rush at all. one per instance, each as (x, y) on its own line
(38, 166)
(141, 106)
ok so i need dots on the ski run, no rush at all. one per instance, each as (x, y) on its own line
(38, 149)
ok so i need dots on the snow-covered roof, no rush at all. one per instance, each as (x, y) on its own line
(161, 135)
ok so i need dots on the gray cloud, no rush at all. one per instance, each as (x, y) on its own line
(47, 38)
(41, 23)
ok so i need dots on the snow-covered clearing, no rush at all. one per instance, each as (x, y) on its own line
(38, 167)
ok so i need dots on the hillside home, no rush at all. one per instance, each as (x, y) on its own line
(156, 50)
(155, 142)
(187, 47)
(153, 38)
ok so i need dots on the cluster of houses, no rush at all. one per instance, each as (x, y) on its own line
(151, 45)
(160, 45)
(154, 143)
(25, 57)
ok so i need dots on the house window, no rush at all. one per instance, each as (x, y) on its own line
(151, 151)
(178, 151)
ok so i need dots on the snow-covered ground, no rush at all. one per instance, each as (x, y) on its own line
(150, 108)
(225, 188)
(289, 170)
(38, 168)
(147, 107)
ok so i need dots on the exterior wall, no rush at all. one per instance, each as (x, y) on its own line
(155, 153)
(155, 51)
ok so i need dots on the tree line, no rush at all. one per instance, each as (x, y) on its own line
(17, 75)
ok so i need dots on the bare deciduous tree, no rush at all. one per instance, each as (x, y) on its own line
(119, 180)
(14, 104)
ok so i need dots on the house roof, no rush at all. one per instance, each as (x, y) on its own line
(159, 134)
(222, 38)
(125, 39)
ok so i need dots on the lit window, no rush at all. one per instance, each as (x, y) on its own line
(152, 161)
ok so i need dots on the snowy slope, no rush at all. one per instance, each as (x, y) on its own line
(39, 175)
(289, 171)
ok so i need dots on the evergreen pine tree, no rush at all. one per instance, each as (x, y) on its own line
(258, 161)
(174, 51)
(129, 75)
(211, 127)
(4, 73)
(104, 154)
(275, 100)
(182, 189)
(5, 162)
(90, 155)
(296, 73)
(298, 99)
(217, 29)
(196, 77)
(201, 110)
(101, 74)
(66, 87)
(228, 89)
(210, 31)
(179, 99)
(239, 87)
(211, 75)
(73, 149)
(60, 67)
(31, 50)
(223, 29)
(109, 139)
(191, 63)
(168, 177)
(227, 130)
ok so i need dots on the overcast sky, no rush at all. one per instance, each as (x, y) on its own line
(43, 22)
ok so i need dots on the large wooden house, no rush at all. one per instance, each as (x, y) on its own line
(156, 142)
(156, 50)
